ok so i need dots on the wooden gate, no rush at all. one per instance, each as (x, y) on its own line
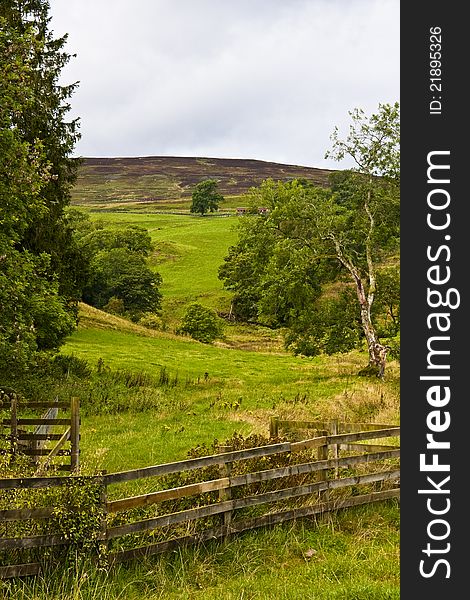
(44, 431)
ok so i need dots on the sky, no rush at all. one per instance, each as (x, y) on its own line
(259, 79)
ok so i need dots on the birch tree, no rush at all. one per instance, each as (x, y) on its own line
(373, 144)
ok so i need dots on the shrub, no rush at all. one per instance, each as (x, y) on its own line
(115, 306)
(152, 321)
(71, 365)
(201, 324)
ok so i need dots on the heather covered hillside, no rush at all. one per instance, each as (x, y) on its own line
(168, 181)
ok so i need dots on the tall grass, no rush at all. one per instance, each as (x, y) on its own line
(349, 556)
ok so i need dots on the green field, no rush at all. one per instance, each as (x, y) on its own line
(211, 381)
(353, 555)
(187, 249)
(213, 391)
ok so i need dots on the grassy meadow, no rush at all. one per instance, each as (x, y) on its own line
(213, 391)
(187, 252)
(208, 392)
(349, 556)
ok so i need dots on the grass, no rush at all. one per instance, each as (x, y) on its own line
(133, 441)
(187, 252)
(240, 392)
(349, 556)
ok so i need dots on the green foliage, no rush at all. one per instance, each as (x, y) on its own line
(387, 301)
(122, 274)
(332, 325)
(153, 321)
(71, 366)
(33, 316)
(276, 276)
(312, 240)
(373, 142)
(94, 237)
(205, 197)
(201, 324)
(119, 279)
(39, 266)
(78, 513)
(42, 119)
(394, 345)
(245, 264)
(115, 306)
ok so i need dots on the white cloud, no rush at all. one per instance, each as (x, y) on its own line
(265, 79)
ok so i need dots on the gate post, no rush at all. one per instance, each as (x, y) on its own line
(323, 455)
(75, 434)
(334, 431)
(274, 427)
(14, 427)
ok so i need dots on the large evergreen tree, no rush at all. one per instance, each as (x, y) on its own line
(39, 265)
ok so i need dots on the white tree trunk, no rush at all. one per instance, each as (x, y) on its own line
(377, 351)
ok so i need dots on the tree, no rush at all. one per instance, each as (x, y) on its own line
(123, 274)
(278, 278)
(205, 197)
(118, 276)
(43, 121)
(35, 312)
(374, 145)
(201, 324)
(93, 236)
(244, 267)
(298, 264)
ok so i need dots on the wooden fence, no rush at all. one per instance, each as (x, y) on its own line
(41, 438)
(214, 496)
(332, 427)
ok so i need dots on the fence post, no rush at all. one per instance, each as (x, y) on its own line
(14, 427)
(334, 431)
(274, 427)
(34, 447)
(225, 470)
(104, 527)
(323, 455)
(75, 434)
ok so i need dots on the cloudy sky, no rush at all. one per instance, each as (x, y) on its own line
(263, 79)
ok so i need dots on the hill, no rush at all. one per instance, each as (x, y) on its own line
(169, 180)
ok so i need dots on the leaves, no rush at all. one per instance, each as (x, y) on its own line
(39, 266)
(205, 197)
(373, 143)
(312, 263)
(201, 324)
(123, 274)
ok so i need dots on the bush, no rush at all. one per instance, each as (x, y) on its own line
(115, 306)
(394, 345)
(201, 324)
(71, 365)
(152, 321)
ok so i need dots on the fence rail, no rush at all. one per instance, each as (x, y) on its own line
(321, 480)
